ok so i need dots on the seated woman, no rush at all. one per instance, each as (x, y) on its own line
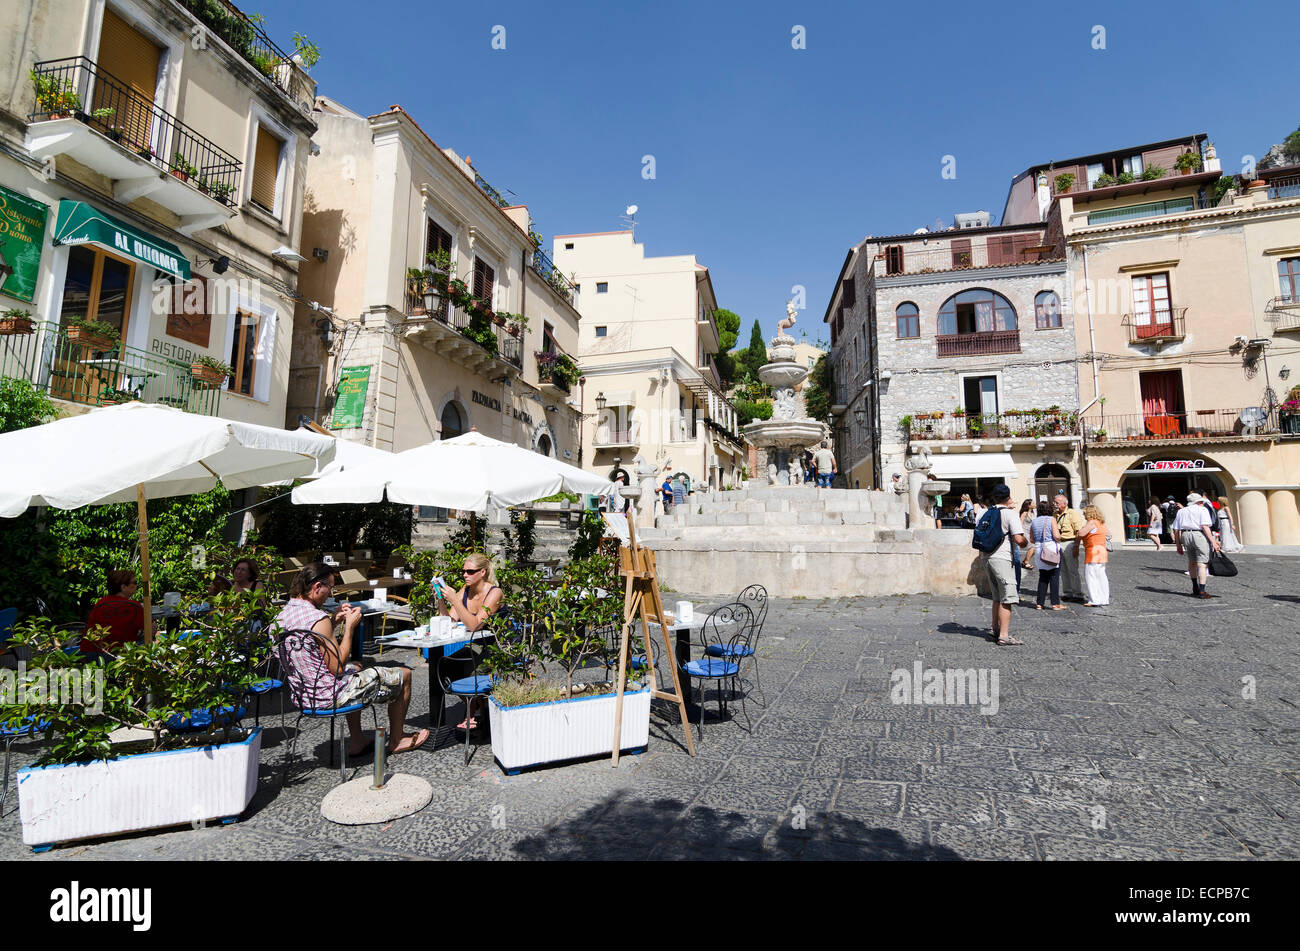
(244, 576)
(472, 605)
(118, 611)
(332, 681)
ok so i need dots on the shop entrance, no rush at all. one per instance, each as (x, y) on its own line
(1162, 478)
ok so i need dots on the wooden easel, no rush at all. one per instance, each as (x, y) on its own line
(637, 565)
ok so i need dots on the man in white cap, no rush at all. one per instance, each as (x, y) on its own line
(1192, 527)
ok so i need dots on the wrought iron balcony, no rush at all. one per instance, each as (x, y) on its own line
(1015, 424)
(978, 344)
(72, 371)
(250, 41)
(548, 272)
(1283, 313)
(1158, 326)
(1189, 425)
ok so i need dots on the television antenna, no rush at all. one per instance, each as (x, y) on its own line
(629, 218)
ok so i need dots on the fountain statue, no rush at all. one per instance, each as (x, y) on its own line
(783, 436)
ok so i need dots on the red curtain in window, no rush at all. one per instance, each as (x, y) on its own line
(1162, 397)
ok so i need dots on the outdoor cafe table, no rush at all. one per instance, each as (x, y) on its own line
(434, 646)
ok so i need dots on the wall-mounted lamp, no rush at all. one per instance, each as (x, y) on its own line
(601, 401)
(326, 331)
(320, 254)
(860, 414)
(1283, 373)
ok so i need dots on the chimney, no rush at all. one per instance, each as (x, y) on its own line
(1044, 196)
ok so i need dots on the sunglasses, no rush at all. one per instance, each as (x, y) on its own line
(470, 571)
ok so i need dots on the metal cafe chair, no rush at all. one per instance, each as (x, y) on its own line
(304, 684)
(755, 598)
(466, 687)
(726, 634)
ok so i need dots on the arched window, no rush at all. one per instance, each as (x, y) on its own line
(908, 319)
(1047, 311)
(453, 421)
(544, 445)
(978, 310)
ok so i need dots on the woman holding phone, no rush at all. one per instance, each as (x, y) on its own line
(471, 605)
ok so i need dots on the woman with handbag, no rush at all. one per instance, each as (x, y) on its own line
(1046, 537)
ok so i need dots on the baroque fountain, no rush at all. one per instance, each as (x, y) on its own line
(784, 437)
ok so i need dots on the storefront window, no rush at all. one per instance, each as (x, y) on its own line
(98, 287)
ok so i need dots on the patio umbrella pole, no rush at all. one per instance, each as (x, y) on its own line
(142, 517)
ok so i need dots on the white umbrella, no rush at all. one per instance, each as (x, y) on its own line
(472, 473)
(348, 455)
(143, 451)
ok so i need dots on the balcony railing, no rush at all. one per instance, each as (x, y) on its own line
(614, 437)
(978, 253)
(548, 272)
(1283, 313)
(491, 192)
(248, 39)
(135, 123)
(1166, 323)
(978, 344)
(1014, 424)
(499, 341)
(1288, 187)
(72, 371)
(1187, 425)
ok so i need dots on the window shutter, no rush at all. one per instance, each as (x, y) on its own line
(266, 164)
(436, 239)
(961, 256)
(484, 279)
(849, 295)
(130, 60)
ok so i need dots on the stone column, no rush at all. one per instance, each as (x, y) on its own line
(1283, 517)
(1112, 509)
(1252, 507)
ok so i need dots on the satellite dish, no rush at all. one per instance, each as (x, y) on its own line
(631, 210)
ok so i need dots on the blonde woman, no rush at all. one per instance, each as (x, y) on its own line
(1227, 537)
(471, 605)
(1093, 536)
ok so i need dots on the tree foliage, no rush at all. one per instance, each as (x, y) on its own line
(382, 526)
(22, 405)
(1291, 146)
(817, 392)
(749, 410)
(755, 355)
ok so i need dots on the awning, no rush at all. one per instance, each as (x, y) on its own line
(620, 398)
(973, 465)
(82, 223)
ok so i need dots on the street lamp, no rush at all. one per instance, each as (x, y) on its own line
(601, 402)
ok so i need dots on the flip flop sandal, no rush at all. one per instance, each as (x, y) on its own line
(472, 721)
(420, 736)
(1010, 642)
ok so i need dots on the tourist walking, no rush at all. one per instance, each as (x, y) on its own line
(1170, 512)
(1070, 522)
(1227, 536)
(1192, 526)
(824, 460)
(1021, 553)
(1155, 521)
(666, 490)
(1046, 538)
(997, 556)
(1093, 536)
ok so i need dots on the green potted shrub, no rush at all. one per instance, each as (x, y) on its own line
(415, 283)
(221, 192)
(1104, 180)
(1152, 172)
(14, 322)
(111, 397)
(1188, 162)
(57, 98)
(182, 169)
(1125, 178)
(1064, 182)
(209, 373)
(78, 787)
(92, 334)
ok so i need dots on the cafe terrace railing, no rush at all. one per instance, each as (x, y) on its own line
(72, 371)
(1016, 424)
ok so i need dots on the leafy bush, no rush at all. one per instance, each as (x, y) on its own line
(747, 411)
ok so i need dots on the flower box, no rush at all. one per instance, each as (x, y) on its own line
(561, 730)
(85, 338)
(11, 326)
(206, 377)
(142, 791)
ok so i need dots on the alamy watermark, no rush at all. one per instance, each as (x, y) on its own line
(949, 687)
(73, 686)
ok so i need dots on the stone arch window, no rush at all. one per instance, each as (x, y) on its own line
(544, 445)
(908, 320)
(978, 310)
(453, 421)
(1047, 311)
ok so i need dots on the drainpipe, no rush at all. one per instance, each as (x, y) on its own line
(1092, 356)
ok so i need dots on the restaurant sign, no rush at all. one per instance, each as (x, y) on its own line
(350, 403)
(1166, 465)
(22, 237)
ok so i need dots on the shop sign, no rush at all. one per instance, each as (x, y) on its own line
(350, 403)
(1176, 465)
(484, 400)
(22, 238)
(522, 416)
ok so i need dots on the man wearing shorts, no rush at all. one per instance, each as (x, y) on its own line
(1002, 575)
(1192, 529)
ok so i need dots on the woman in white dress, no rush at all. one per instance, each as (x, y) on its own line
(1227, 537)
(1155, 521)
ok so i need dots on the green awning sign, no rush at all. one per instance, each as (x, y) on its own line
(350, 403)
(22, 237)
(82, 223)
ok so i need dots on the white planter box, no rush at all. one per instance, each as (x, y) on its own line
(566, 729)
(144, 791)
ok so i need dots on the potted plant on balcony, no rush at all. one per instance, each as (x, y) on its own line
(182, 169)
(516, 324)
(92, 334)
(1289, 415)
(84, 777)
(1152, 172)
(1125, 178)
(975, 426)
(221, 192)
(1099, 434)
(905, 424)
(15, 322)
(111, 397)
(57, 98)
(415, 281)
(1064, 182)
(1104, 180)
(1188, 162)
(204, 185)
(145, 152)
(209, 373)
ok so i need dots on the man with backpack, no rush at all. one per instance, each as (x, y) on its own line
(997, 534)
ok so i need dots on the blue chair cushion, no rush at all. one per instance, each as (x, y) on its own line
(477, 684)
(29, 725)
(711, 667)
(638, 662)
(328, 712)
(265, 686)
(202, 719)
(729, 650)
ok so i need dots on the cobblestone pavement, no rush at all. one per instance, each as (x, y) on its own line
(1121, 732)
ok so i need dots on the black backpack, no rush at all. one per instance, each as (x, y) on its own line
(989, 535)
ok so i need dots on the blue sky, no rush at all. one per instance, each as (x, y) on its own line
(770, 162)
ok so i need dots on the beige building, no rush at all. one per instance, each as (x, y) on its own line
(1187, 307)
(647, 345)
(151, 179)
(391, 367)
